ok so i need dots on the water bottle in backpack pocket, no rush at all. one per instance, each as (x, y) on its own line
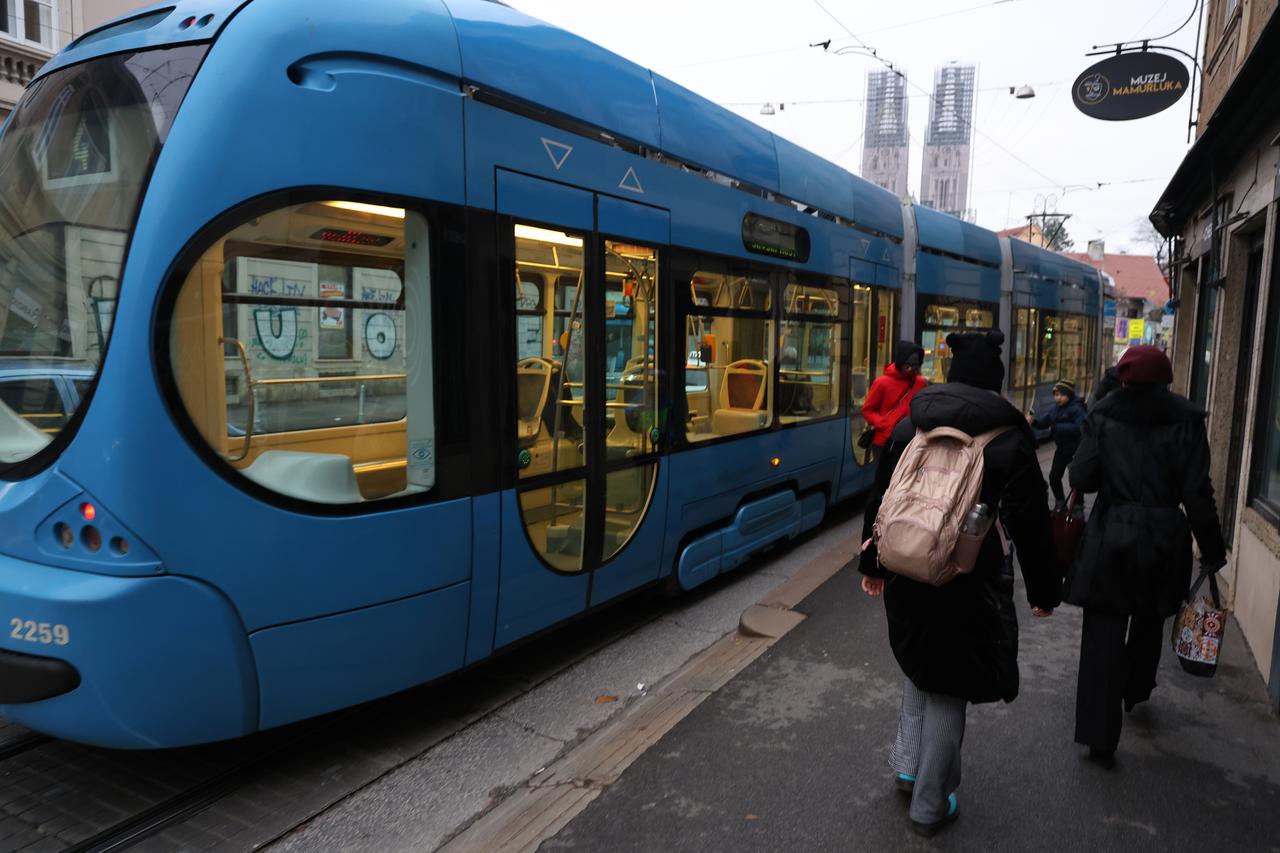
(973, 531)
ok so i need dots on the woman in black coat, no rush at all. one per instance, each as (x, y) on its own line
(1145, 452)
(958, 643)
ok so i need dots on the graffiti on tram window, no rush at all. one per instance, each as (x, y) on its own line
(277, 330)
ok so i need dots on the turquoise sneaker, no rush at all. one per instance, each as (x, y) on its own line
(928, 830)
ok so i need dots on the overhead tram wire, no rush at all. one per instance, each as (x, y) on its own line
(870, 51)
(897, 26)
(810, 102)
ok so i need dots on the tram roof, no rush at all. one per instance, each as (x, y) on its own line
(1030, 259)
(520, 57)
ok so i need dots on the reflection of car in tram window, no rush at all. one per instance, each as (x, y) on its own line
(43, 393)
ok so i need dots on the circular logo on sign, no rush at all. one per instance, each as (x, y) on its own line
(1093, 89)
(380, 336)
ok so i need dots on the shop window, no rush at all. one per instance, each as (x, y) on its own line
(1202, 348)
(256, 327)
(730, 330)
(1264, 464)
(810, 342)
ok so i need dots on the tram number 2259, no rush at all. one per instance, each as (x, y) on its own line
(39, 632)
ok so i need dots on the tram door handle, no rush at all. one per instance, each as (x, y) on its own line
(248, 380)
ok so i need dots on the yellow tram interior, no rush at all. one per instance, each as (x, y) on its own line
(300, 344)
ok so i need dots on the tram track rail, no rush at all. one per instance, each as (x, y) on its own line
(249, 793)
(18, 743)
(26, 757)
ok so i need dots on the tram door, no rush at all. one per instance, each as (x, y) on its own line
(586, 518)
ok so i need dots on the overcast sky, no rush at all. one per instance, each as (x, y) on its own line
(743, 53)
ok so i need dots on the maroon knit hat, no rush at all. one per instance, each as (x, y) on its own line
(1144, 364)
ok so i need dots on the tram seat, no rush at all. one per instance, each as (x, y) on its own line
(319, 477)
(742, 398)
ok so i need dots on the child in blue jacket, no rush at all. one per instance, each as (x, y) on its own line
(1064, 421)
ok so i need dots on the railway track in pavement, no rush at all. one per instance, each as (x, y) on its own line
(61, 797)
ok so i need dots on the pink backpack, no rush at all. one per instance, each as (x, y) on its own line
(935, 484)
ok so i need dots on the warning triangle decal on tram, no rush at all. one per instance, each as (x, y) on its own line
(630, 181)
(557, 151)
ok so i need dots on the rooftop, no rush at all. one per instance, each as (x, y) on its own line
(1136, 276)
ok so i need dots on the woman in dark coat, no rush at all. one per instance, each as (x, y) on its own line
(958, 643)
(1145, 452)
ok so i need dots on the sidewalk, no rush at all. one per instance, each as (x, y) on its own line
(790, 756)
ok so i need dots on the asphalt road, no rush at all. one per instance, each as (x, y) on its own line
(790, 756)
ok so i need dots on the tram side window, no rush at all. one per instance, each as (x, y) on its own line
(860, 348)
(1050, 348)
(301, 348)
(809, 352)
(1071, 346)
(550, 348)
(1026, 333)
(729, 340)
(942, 316)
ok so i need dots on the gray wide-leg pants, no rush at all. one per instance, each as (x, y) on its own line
(930, 733)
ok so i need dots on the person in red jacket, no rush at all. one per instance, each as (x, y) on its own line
(889, 399)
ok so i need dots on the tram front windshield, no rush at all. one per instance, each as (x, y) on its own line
(73, 163)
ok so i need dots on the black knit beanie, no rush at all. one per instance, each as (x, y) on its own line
(975, 359)
(904, 350)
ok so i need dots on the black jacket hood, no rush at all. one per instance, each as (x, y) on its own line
(1147, 404)
(972, 410)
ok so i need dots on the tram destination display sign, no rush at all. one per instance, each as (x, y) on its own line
(1130, 85)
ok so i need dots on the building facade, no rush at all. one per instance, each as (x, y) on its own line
(1221, 210)
(886, 138)
(944, 174)
(32, 31)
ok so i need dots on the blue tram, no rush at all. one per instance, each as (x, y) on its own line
(403, 331)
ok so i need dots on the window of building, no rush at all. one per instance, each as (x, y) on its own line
(30, 20)
(941, 316)
(1202, 348)
(38, 21)
(1228, 10)
(354, 279)
(809, 349)
(1264, 464)
(730, 328)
